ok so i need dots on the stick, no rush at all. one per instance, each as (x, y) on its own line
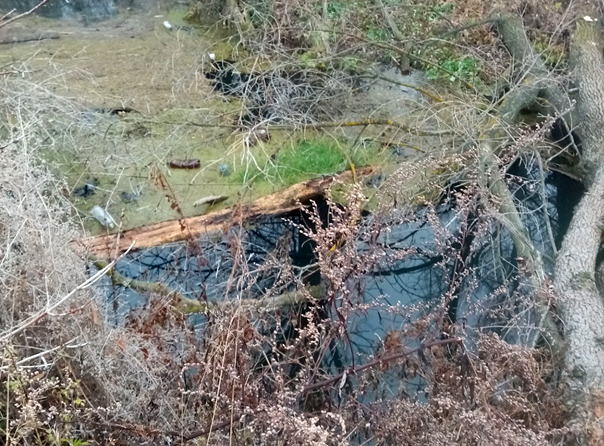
(47, 311)
(171, 231)
(17, 17)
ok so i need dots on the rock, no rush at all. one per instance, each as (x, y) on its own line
(212, 199)
(223, 170)
(129, 197)
(103, 217)
(375, 180)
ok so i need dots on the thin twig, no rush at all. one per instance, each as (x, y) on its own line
(402, 354)
(26, 13)
(40, 354)
(391, 23)
(359, 123)
(228, 422)
(41, 314)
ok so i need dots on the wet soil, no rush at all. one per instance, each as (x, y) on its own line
(134, 62)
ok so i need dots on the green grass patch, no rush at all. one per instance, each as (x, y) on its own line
(376, 34)
(335, 9)
(464, 68)
(309, 159)
(305, 160)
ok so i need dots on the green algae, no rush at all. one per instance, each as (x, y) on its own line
(176, 115)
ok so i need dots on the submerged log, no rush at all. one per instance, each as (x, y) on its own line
(187, 305)
(156, 234)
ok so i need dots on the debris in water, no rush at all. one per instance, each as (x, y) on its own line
(375, 180)
(212, 199)
(223, 170)
(185, 164)
(87, 189)
(129, 197)
(167, 24)
(103, 217)
(258, 135)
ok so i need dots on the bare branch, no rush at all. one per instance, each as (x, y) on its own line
(26, 13)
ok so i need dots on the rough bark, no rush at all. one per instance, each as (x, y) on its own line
(529, 61)
(580, 304)
(533, 279)
(586, 60)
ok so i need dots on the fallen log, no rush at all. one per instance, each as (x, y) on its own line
(578, 300)
(535, 320)
(281, 202)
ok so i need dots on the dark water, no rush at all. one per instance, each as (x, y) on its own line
(495, 257)
(412, 280)
(394, 295)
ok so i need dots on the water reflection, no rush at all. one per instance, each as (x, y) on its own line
(398, 291)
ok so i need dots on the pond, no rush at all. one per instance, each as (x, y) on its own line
(143, 99)
(396, 293)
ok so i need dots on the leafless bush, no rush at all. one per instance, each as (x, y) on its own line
(44, 306)
(465, 403)
(243, 377)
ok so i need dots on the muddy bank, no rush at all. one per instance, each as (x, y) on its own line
(141, 99)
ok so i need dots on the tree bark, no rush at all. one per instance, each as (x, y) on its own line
(586, 60)
(580, 304)
(530, 62)
(281, 202)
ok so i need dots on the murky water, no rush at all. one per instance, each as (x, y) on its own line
(133, 61)
(396, 292)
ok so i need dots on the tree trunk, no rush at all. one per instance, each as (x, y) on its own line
(579, 302)
(530, 62)
(532, 282)
(238, 16)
